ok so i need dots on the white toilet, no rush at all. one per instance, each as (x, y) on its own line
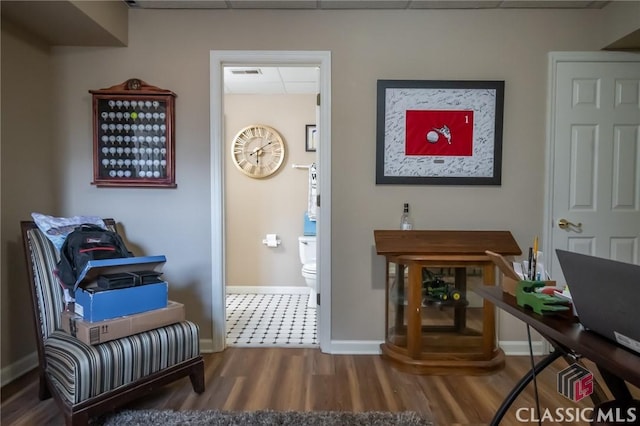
(307, 249)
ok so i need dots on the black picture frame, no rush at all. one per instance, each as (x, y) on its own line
(439, 132)
(311, 138)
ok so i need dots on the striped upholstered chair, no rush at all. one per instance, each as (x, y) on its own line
(88, 380)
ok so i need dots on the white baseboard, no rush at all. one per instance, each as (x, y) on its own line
(354, 347)
(251, 289)
(521, 347)
(12, 371)
(206, 346)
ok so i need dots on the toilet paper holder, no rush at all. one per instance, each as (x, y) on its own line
(271, 240)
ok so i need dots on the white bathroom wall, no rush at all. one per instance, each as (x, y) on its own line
(275, 205)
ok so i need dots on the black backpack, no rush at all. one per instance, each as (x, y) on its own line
(87, 242)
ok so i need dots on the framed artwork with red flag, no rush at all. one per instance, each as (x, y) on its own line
(439, 132)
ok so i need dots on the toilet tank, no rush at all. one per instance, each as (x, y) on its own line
(307, 249)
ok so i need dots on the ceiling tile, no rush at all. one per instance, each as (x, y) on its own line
(455, 4)
(262, 88)
(299, 74)
(178, 4)
(301, 88)
(271, 80)
(363, 4)
(272, 4)
(542, 4)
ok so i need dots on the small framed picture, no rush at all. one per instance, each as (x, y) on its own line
(311, 141)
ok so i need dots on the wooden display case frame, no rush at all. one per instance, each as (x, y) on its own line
(453, 350)
(133, 136)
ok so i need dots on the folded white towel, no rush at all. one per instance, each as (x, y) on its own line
(312, 208)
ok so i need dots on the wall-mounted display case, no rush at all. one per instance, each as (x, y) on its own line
(133, 136)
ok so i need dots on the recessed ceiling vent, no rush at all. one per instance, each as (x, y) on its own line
(253, 71)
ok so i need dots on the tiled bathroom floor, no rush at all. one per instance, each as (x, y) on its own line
(261, 320)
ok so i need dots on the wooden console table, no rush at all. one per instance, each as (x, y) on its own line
(435, 349)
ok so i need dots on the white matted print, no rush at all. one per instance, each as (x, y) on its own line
(439, 132)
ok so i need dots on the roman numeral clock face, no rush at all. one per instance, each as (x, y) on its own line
(258, 151)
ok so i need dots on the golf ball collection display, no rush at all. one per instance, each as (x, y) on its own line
(133, 135)
(132, 138)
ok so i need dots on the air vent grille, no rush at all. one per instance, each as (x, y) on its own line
(254, 71)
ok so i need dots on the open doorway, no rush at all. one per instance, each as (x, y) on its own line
(219, 237)
(270, 300)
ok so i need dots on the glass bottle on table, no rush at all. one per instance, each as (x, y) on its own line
(406, 223)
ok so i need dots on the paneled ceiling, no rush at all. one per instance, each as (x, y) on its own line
(74, 23)
(270, 80)
(362, 4)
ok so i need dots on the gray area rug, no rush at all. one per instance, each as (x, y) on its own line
(261, 418)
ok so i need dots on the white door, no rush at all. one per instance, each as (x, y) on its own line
(594, 156)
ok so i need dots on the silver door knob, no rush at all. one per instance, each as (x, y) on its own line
(565, 224)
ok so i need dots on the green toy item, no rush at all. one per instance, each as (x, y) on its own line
(436, 290)
(527, 296)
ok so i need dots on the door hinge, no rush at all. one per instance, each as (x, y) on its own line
(318, 99)
(318, 299)
(318, 200)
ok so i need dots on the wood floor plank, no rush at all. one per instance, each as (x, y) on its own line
(305, 379)
(234, 401)
(389, 391)
(323, 394)
(295, 384)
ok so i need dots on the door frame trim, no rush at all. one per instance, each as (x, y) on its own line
(219, 59)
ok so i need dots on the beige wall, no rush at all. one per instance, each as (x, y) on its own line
(275, 205)
(621, 25)
(110, 17)
(27, 171)
(171, 49)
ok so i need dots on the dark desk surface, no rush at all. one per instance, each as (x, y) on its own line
(606, 354)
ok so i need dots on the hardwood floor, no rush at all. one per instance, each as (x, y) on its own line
(308, 380)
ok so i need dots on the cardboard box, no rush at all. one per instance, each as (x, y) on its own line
(97, 305)
(93, 333)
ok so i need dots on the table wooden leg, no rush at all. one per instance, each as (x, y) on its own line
(460, 311)
(401, 292)
(414, 311)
